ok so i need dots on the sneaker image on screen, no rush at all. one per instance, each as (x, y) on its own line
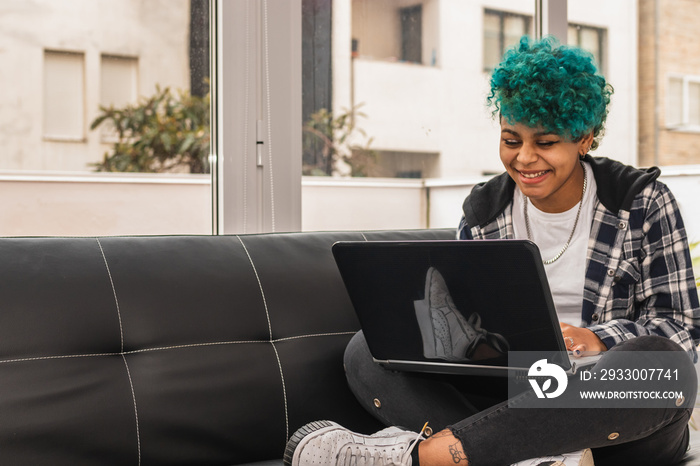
(446, 333)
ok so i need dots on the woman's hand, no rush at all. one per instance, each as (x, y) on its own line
(579, 340)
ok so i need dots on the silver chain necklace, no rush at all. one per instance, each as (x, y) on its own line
(578, 213)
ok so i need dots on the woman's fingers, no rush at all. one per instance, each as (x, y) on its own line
(579, 350)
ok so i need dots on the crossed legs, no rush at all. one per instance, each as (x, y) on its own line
(474, 434)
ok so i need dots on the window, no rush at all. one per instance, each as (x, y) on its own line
(591, 39)
(64, 96)
(119, 81)
(118, 85)
(502, 30)
(411, 34)
(683, 103)
(57, 72)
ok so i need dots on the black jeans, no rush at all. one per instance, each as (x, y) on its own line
(476, 410)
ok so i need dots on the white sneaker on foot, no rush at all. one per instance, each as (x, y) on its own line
(328, 443)
(577, 458)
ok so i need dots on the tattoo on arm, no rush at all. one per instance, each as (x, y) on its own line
(457, 454)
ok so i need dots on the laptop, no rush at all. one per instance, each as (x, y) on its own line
(457, 307)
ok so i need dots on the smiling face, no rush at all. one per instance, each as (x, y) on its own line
(545, 166)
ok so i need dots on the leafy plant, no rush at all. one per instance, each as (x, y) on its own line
(162, 133)
(328, 144)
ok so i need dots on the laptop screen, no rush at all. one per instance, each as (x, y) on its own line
(462, 302)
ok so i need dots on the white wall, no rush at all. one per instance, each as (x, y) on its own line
(400, 102)
(110, 204)
(362, 204)
(76, 204)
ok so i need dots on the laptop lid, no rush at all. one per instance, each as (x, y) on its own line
(451, 306)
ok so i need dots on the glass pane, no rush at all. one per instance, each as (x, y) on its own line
(572, 35)
(73, 72)
(513, 30)
(118, 88)
(412, 34)
(119, 85)
(694, 103)
(674, 117)
(384, 122)
(492, 40)
(63, 95)
(590, 40)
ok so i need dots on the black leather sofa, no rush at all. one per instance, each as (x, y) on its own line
(172, 350)
(176, 350)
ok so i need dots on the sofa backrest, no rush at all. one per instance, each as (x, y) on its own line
(172, 350)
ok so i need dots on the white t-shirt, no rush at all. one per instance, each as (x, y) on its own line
(566, 275)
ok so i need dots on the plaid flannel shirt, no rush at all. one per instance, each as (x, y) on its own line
(639, 278)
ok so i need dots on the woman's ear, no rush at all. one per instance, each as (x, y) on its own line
(585, 144)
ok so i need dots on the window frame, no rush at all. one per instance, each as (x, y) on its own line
(502, 15)
(244, 22)
(602, 42)
(685, 125)
(257, 108)
(46, 135)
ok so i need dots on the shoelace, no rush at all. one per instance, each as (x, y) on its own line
(375, 457)
(496, 339)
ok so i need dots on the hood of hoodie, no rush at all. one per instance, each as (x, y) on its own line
(618, 184)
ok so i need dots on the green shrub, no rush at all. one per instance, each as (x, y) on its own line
(162, 133)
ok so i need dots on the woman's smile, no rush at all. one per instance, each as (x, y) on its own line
(533, 176)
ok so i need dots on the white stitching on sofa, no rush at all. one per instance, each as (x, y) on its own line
(114, 291)
(284, 393)
(43, 358)
(136, 411)
(262, 293)
(194, 345)
(164, 348)
(269, 325)
(315, 335)
(121, 348)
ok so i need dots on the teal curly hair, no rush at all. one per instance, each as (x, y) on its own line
(555, 87)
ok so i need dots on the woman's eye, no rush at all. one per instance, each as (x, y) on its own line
(511, 142)
(546, 143)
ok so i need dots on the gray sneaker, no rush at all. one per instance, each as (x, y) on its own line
(446, 333)
(577, 458)
(328, 443)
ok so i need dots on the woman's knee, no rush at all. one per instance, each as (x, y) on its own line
(356, 354)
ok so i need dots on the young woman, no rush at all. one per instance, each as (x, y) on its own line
(618, 264)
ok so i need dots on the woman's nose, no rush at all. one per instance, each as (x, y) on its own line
(527, 154)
